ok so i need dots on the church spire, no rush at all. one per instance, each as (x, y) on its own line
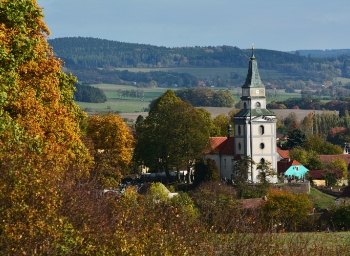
(253, 77)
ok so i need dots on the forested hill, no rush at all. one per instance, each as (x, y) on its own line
(81, 53)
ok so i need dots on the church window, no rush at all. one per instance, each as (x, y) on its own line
(262, 145)
(258, 105)
(239, 130)
(239, 146)
(262, 160)
(261, 130)
(245, 105)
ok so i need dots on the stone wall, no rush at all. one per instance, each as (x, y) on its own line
(294, 187)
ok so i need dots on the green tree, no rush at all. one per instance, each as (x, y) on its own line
(296, 138)
(339, 164)
(241, 170)
(221, 122)
(313, 161)
(331, 178)
(174, 134)
(206, 170)
(300, 155)
(341, 217)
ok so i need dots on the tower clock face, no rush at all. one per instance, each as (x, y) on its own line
(245, 92)
(257, 91)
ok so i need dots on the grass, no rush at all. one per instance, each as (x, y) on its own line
(128, 105)
(341, 79)
(321, 200)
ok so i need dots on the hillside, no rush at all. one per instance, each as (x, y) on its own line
(91, 57)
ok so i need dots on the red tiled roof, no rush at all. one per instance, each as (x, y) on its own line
(252, 203)
(283, 153)
(329, 158)
(284, 164)
(295, 162)
(221, 145)
(318, 174)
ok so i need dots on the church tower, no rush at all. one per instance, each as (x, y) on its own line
(254, 125)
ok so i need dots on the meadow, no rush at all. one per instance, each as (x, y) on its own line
(115, 103)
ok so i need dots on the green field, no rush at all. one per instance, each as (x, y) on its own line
(209, 73)
(341, 79)
(127, 105)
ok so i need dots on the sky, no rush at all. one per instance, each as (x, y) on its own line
(283, 25)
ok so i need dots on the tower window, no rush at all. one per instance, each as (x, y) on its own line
(239, 130)
(245, 105)
(262, 160)
(262, 145)
(258, 105)
(239, 146)
(261, 130)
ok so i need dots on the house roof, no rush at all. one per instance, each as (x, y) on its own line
(318, 174)
(252, 203)
(221, 145)
(329, 158)
(295, 162)
(283, 153)
(284, 164)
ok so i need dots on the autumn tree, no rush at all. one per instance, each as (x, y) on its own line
(287, 210)
(112, 148)
(41, 153)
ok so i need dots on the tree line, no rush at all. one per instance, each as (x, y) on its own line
(81, 54)
(206, 97)
(139, 79)
(341, 104)
(88, 93)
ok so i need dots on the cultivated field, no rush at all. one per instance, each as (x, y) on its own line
(129, 106)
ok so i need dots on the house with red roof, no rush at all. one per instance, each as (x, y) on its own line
(221, 150)
(318, 176)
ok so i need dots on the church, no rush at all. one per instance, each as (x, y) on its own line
(254, 131)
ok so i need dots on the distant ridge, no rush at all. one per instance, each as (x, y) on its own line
(322, 53)
(89, 58)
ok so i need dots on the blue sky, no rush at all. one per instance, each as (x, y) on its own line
(283, 25)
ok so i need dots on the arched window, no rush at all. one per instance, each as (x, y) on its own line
(262, 160)
(239, 146)
(258, 105)
(261, 130)
(239, 130)
(262, 145)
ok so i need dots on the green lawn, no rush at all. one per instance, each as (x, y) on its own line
(321, 200)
